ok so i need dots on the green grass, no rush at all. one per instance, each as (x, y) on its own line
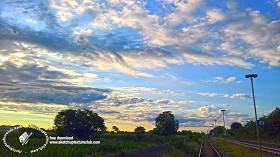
(180, 146)
(236, 150)
(108, 145)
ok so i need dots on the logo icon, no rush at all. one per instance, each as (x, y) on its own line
(24, 138)
(260, 123)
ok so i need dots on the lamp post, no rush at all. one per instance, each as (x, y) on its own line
(251, 76)
(225, 133)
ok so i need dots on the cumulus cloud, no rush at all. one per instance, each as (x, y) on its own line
(215, 15)
(233, 96)
(208, 94)
(238, 95)
(220, 79)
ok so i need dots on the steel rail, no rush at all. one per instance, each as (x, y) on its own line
(255, 146)
(213, 148)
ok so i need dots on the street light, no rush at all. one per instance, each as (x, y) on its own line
(251, 76)
(225, 133)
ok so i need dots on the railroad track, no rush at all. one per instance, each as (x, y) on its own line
(255, 146)
(208, 150)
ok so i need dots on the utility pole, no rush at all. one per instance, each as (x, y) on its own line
(225, 131)
(251, 76)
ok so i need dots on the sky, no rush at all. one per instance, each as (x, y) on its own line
(129, 61)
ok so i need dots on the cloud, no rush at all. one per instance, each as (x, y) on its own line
(204, 116)
(123, 36)
(146, 90)
(220, 79)
(208, 94)
(225, 80)
(130, 110)
(210, 60)
(164, 101)
(238, 95)
(29, 82)
(215, 15)
(233, 96)
(37, 108)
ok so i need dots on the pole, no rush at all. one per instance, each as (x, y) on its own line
(225, 133)
(257, 128)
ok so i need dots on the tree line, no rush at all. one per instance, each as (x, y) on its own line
(86, 124)
(270, 129)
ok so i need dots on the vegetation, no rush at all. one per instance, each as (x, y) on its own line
(107, 146)
(166, 124)
(236, 150)
(139, 130)
(236, 125)
(116, 129)
(269, 132)
(78, 123)
(191, 136)
(84, 124)
(218, 130)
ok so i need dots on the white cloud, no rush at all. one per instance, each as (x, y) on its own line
(208, 94)
(233, 96)
(205, 59)
(215, 15)
(239, 96)
(145, 90)
(225, 80)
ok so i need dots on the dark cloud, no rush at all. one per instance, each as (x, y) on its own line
(191, 120)
(34, 83)
(55, 40)
(56, 97)
(27, 73)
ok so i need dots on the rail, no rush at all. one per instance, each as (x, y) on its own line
(255, 146)
(213, 148)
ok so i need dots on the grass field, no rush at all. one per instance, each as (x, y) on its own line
(236, 150)
(109, 144)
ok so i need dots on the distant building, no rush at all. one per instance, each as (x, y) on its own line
(5, 128)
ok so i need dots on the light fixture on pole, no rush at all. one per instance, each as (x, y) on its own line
(225, 132)
(251, 76)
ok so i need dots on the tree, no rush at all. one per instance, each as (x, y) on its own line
(166, 124)
(115, 128)
(217, 130)
(79, 123)
(272, 121)
(139, 130)
(236, 125)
